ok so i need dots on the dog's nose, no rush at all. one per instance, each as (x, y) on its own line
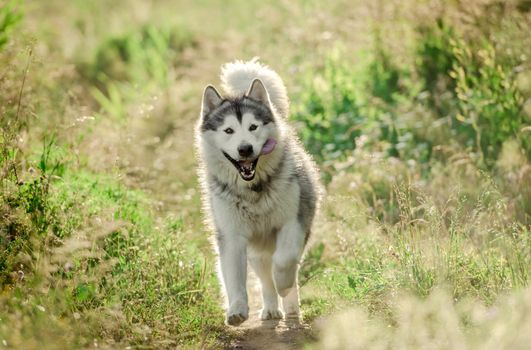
(245, 150)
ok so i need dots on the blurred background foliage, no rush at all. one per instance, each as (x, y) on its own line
(466, 90)
(417, 113)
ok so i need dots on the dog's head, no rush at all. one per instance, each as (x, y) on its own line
(241, 129)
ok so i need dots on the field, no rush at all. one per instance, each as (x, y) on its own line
(418, 114)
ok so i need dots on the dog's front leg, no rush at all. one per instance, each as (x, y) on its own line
(233, 261)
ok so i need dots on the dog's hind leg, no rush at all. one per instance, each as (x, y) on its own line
(290, 303)
(261, 264)
(289, 247)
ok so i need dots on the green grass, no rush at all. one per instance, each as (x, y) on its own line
(420, 129)
(107, 261)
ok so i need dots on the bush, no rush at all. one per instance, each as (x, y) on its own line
(345, 101)
(328, 113)
(454, 88)
(489, 102)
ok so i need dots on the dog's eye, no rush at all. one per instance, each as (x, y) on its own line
(253, 127)
(229, 131)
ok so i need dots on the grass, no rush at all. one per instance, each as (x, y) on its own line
(420, 128)
(127, 275)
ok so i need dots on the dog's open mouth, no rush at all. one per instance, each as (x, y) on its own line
(246, 168)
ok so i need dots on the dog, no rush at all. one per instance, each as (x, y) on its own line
(260, 188)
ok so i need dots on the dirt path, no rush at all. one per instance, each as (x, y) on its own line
(285, 334)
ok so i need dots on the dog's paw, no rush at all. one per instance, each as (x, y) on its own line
(238, 312)
(236, 319)
(291, 310)
(284, 277)
(270, 314)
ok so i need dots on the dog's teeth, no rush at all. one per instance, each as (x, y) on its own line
(246, 168)
(246, 165)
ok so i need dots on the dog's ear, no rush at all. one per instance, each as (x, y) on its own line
(257, 91)
(211, 99)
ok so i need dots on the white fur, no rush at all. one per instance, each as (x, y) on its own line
(247, 221)
(236, 76)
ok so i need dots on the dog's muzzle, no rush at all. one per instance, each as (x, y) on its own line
(246, 168)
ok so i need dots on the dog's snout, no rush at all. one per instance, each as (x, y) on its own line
(245, 150)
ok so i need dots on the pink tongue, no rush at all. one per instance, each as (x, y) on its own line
(269, 146)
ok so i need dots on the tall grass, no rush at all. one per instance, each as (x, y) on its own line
(419, 202)
(84, 259)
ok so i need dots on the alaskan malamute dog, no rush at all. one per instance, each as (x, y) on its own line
(260, 189)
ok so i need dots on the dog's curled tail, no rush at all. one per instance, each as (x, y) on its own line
(236, 78)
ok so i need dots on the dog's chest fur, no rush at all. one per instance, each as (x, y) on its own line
(256, 211)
